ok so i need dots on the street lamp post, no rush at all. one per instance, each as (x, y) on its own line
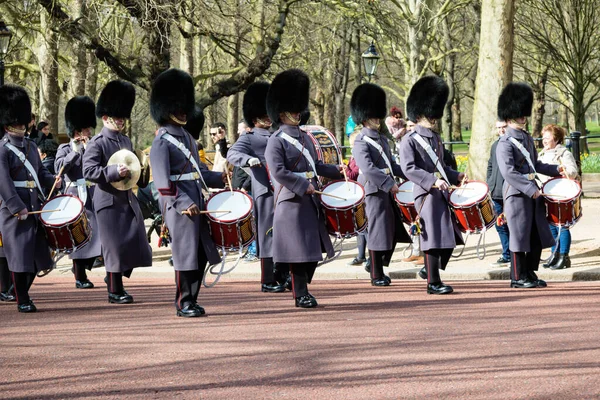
(5, 36)
(370, 59)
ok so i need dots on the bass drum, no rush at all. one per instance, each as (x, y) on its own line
(326, 145)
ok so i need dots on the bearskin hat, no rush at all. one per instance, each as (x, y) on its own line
(427, 98)
(116, 100)
(172, 94)
(79, 114)
(289, 91)
(255, 102)
(515, 101)
(15, 106)
(368, 101)
(195, 122)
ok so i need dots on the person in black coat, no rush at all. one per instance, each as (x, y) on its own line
(43, 133)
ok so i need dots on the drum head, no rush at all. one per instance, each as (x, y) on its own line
(472, 193)
(352, 193)
(405, 197)
(564, 189)
(70, 207)
(238, 203)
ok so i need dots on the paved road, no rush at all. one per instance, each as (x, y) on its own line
(484, 342)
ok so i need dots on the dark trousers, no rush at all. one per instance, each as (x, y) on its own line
(22, 281)
(302, 274)
(503, 233)
(523, 264)
(436, 259)
(188, 282)
(267, 270)
(361, 245)
(282, 272)
(79, 267)
(5, 278)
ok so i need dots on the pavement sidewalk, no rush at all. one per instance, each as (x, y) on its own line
(585, 257)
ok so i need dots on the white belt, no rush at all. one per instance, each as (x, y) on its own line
(529, 177)
(307, 175)
(25, 184)
(190, 176)
(82, 183)
(384, 170)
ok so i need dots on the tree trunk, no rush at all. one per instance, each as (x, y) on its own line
(233, 110)
(579, 115)
(494, 71)
(456, 120)
(48, 59)
(186, 51)
(597, 113)
(539, 102)
(319, 107)
(79, 61)
(449, 74)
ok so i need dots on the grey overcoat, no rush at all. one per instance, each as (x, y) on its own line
(24, 242)
(518, 191)
(299, 231)
(73, 164)
(385, 226)
(438, 226)
(120, 221)
(254, 144)
(187, 232)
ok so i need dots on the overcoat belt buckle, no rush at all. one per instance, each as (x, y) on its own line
(196, 175)
(530, 176)
(386, 171)
(437, 175)
(30, 184)
(310, 174)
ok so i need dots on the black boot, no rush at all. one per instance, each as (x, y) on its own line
(551, 261)
(562, 262)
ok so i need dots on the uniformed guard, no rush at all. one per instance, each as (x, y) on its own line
(299, 233)
(249, 152)
(377, 170)
(179, 178)
(120, 220)
(80, 119)
(22, 181)
(423, 164)
(524, 207)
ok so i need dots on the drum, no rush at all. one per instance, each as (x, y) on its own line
(67, 228)
(563, 201)
(406, 202)
(345, 213)
(326, 146)
(473, 207)
(231, 230)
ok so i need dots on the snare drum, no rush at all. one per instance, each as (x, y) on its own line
(67, 229)
(563, 201)
(231, 230)
(473, 207)
(347, 217)
(406, 202)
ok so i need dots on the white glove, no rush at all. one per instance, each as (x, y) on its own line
(253, 162)
(76, 146)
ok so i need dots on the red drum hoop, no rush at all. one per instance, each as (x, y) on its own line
(473, 207)
(345, 218)
(563, 201)
(68, 229)
(406, 203)
(232, 230)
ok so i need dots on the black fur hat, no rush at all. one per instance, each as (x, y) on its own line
(15, 106)
(195, 122)
(289, 91)
(79, 114)
(172, 94)
(427, 98)
(515, 101)
(116, 100)
(368, 101)
(255, 102)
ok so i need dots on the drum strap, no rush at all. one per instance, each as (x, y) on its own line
(523, 151)
(381, 152)
(300, 148)
(429, 150)
(186, 153)
(27, 164)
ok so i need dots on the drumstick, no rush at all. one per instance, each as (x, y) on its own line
(55, 181)
(330, 195)
(555, 195)
(186, 212)
(228, 178)
(38, 212)
(455, 187)
(345, 177)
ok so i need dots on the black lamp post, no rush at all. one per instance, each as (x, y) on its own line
(370, 59)
(5, 36)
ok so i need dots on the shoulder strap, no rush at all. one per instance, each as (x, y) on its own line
(27, 164)
(381, 152)
(431, 153)
(523, 151)
(188, 154)
(300, 148)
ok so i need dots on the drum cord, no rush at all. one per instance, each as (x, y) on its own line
(463, 247)
(222, 271)
(337, 254)
(481, 239)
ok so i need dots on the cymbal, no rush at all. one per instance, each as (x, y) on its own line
(130, 160)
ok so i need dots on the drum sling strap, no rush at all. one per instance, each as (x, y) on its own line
(300, 148)
(381, 152)
(28, 165)
(186, 153)
(429, 150)
(525, 153)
